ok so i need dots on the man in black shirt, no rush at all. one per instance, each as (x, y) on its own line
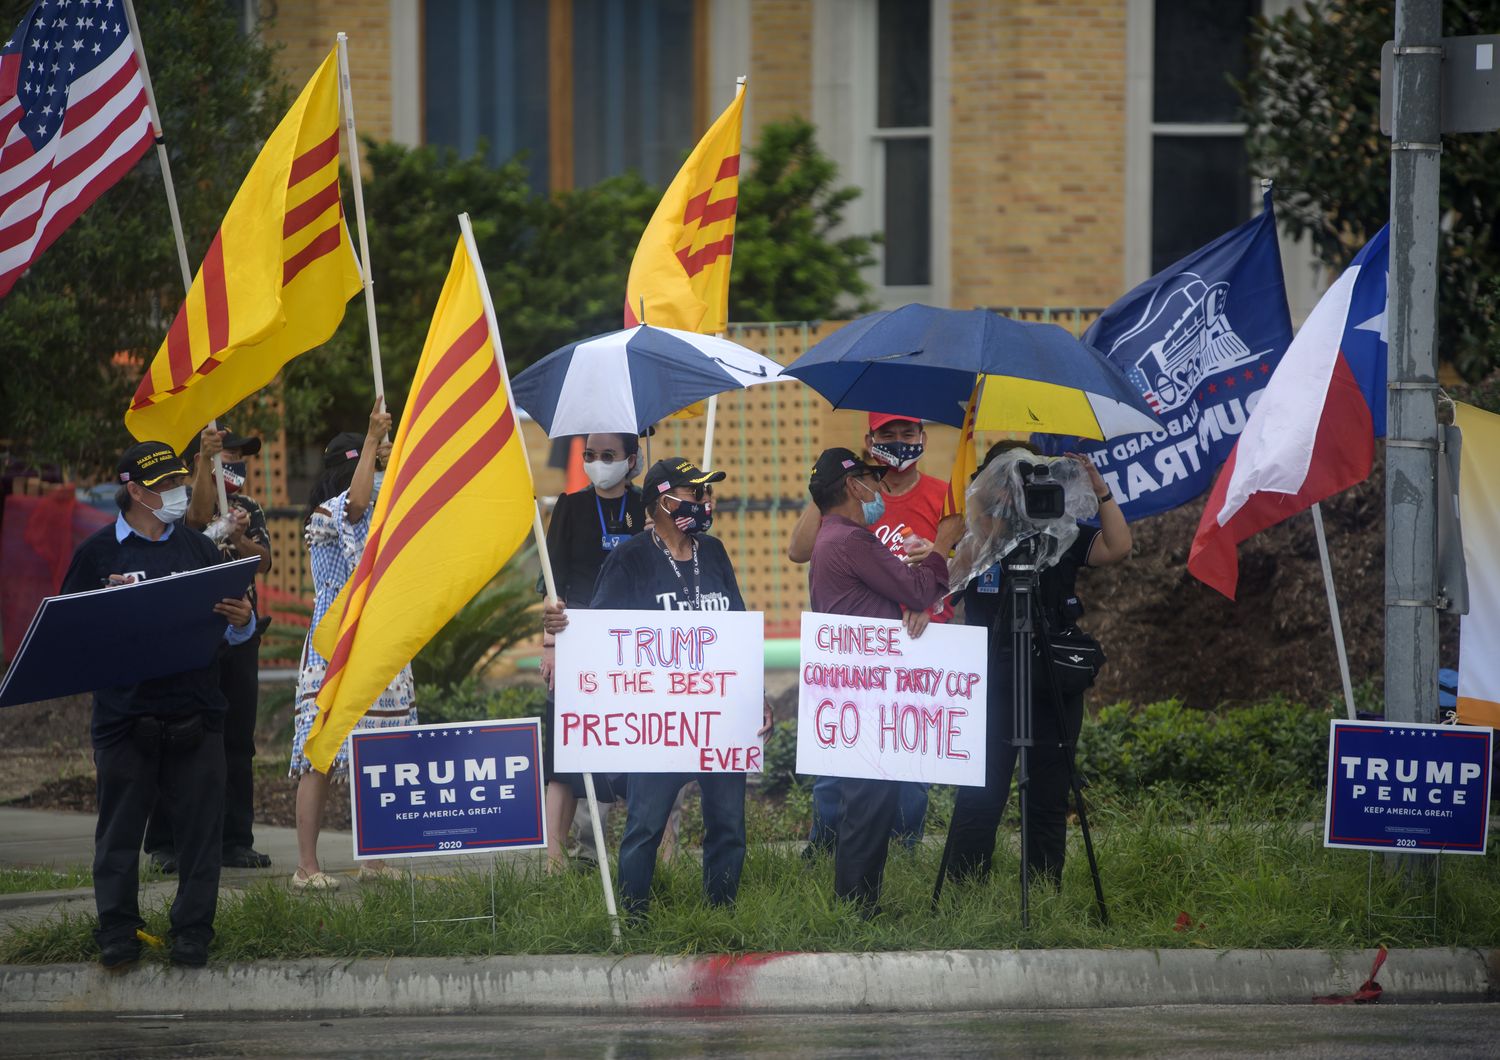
(242, 535)
(1055, 719)
(675, 567)
(164, 734)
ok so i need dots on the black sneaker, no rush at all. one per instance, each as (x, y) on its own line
(164, 861)
(245, 858)
(119, 955)
(190, 953)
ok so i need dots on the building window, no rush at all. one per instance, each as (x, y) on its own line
(582, 89)
(633, 89)
(1200, 178)
(485, 64)
(903, 138)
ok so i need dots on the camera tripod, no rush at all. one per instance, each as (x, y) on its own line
(1026, 619)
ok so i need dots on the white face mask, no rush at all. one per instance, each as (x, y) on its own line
(174, 504)
(606, 476)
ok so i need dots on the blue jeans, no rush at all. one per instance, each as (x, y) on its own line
(911, 813)
(648, 806)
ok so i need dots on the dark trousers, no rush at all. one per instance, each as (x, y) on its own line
(977, 811)
(239, 680)
(648, 805)
(191, 784)
(867, 810)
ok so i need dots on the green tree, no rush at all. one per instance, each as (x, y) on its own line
(557, 264)
(1312, 102)
(789, 264)
(111, 283)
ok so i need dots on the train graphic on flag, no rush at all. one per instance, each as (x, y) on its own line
(1196, 341)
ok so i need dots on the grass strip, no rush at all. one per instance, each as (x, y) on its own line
(1242, 882)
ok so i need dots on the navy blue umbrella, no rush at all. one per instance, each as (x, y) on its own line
(624, 381)
(923, 361)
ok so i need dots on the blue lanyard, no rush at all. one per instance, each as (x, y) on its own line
(603, 528)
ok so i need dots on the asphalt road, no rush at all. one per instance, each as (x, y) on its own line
(1446, 1031)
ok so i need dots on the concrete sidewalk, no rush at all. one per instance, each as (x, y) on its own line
(61, 840)
(934, 981)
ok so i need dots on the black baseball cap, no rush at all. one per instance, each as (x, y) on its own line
(343, 446)
(147, 463)
(833, 464)
(672, 472)
(247, 444)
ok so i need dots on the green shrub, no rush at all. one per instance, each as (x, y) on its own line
(1272, 746)
(469, 701)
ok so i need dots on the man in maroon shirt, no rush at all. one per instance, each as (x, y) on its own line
(852, 573)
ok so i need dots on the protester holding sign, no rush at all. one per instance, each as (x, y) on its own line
(241, 536)
(675, 567)
(854, 573)
(336, 525)
(161, 735)
(1056, 713)
(586, 527)
(913, 508)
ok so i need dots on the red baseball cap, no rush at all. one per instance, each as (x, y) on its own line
(880, 419)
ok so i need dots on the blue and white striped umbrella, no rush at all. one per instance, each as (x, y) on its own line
(625, 381)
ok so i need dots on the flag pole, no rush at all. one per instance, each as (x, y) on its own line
(166, 178)
(713, 399)
(346, 96)
(542, 555)
(1333, 609)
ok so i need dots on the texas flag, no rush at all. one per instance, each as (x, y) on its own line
(1313, 431)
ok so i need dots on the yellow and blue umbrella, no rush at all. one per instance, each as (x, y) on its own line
(923, 361)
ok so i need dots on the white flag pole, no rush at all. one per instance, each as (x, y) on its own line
(166, 177)
(712, 411)
(541, 547)
(1333, 610)
(346, 97)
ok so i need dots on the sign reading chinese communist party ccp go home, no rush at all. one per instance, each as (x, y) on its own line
(660, 692)
(1404, 786)
(444, 789)
(877, 704)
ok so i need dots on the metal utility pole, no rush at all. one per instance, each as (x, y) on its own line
(1411, 456)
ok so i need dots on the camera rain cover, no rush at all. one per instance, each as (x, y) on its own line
(995, 517)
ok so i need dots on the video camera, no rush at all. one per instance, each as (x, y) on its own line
(1021, 497)
(1043, 497)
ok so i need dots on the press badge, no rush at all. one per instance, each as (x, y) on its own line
(610, 542)
(989, 581)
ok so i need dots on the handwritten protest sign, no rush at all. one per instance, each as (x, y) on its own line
(875, 703)
(461, 788)
(660, 692)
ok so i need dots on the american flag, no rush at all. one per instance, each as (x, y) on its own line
(73, 120)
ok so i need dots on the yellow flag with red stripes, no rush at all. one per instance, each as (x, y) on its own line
(273, 284)
(966, 460)
(455, 504)
(680, 272)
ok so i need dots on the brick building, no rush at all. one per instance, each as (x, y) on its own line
(1039, 156)
(1013, 152)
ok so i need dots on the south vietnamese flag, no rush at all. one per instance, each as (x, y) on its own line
(1313, 432)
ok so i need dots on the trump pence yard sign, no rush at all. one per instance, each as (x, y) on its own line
(1406, 786)
(447, 789)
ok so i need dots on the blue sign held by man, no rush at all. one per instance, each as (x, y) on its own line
(461, 788)
(1407, 786)
(1199, 339)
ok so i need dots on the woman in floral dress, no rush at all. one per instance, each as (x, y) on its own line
(336, 526)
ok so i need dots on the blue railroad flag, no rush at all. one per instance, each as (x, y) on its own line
(1200, 339)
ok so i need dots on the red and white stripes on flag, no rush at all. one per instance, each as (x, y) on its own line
(73, 120)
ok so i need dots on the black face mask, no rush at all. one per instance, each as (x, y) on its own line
(692, 517)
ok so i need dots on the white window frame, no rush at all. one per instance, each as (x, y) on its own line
(845, 101)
